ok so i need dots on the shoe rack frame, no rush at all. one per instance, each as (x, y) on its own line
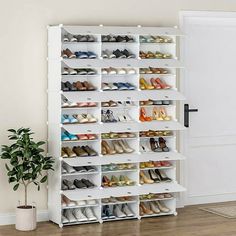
(55, 64)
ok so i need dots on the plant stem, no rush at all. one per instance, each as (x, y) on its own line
(25, 195)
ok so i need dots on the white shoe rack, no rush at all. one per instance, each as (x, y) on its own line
(55, 66)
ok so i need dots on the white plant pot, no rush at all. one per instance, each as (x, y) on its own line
(25, 218)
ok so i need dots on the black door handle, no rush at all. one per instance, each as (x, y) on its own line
(186, 114)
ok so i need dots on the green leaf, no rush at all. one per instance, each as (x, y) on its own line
(16, 187)
(12, 130)
(7, 167)
(44, 179)
(12, 179)
(40, 143)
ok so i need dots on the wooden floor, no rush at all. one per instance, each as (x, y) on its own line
(190, 221)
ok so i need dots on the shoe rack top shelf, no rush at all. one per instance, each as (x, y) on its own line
(105, 30)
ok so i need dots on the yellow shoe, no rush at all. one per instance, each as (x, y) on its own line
(145, 85)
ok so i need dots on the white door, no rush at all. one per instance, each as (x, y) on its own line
(209, 83)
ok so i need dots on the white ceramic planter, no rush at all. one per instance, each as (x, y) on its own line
(25, 218)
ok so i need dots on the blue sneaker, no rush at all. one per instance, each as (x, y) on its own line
(71, 136)
(120, 86)
(65, 119)
(72, 119)
(64, 137)
(81, 55)
(130, 86)
(91, 55)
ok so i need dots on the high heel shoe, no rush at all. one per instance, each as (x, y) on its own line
(109, 150)
(127, 180)
(155, 84)
(145, 85)
(162, 207)
(143, 117)
(156, 114)
(162, 144)
(154, 176)
(163, 114)
(125, 146)
(117, 147)
(154, 145)
(162, 84)
(141, 213)
(154, 207)
(145, 179)
(146, 209)
(105, 181)
(116, 182)
(163, 176)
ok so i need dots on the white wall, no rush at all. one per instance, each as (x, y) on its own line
(23, 47)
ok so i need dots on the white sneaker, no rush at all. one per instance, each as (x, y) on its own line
(64, 220)
(112, 71)
(89, 213)
(127, 211)
(69, 215)
(72, 71)
(130, 71)
(121, 71)
(112, 86)
(117, 212)
(104, 71)
(68, 168)
(79, 215)
(91, 202)
(63, 170)
(80, 203)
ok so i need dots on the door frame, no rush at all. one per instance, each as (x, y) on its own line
(183, 139)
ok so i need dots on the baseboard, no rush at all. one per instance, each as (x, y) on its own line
(9, 218)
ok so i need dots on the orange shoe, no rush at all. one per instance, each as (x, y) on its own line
(162, 84)
(155, 84)
(143, 117)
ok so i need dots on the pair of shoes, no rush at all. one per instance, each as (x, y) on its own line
(118, 199)
(66, 152)
(67, 185)
(116, 147)
(156, 196)
(122, 211)
(67, 169)
(77, 86)
(66, 136)
(155, 39)
(66, 202)
(160, 114)
(112, 167)
(154, 55)
(152, 70)
(74, 215)
(67, 53)
(121, 180)
(108, 117)
(86, 202)
(121, 54)
(85, 55)
(121, 39)
(154, 84)
(153, 175)
(78, 118)
(117, 71)
(151, 164)
(117, 86)
(78, 38)
(65, 103)
(83, 183)
(86, 136)
(150, 102)
(84, 151)
(152, 133)
(150, 208)
(113, 135)
(143, 116)
(158, 146)
(71, 71)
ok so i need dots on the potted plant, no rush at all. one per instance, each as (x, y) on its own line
(27, 165)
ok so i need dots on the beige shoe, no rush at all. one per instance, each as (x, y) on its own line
(117, 147)
(109, 149)
(162, 207)
(91, 118)
(146, 180)
(82, 118)
(154, 208)
(125, 146)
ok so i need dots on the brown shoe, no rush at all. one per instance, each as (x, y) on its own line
(88, 86)
(89, 150)
(69, 152)
(80, 86)
(80, 152)
(109, 149)
(68, 53)
(63, 154)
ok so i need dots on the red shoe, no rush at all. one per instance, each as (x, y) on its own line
(162, 84)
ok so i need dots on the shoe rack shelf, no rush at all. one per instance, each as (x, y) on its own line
(128, 106)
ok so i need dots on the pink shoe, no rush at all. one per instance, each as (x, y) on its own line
(91, 136)
(82, 136)
(162, 84)
(82, 104)
(155, 84)
(92, 104)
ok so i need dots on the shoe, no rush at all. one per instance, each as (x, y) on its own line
(118, 54)
(162, 84)
(124, 145)
(64, 137)
(156, 114)
(154, 176)
(91, 55)
(104, 215)
(89, 214)
(79, 215)
(146, 210)
(163, 176)
(108, 149)
(125, 179)
(81, 203)
(68, 213)
(88, 183)
(155, 84)
(88, 86)
(79, 184)
(117, 147)
(154, 207)
(127, 211)
(117, 212)
(68, 168)
(81, 55)
(128, 54)
(90, 168)
(109, 213)
(145, 85)
(69, 184)
(64, 219)
(68, 54)
(63, 154)
(141, 213)
(162, 207)
(89, 150)
(68, 202)
(143, 117)
(154, 145)
(162, 144)
(69, 152)
(145, 179)
(91, 202)
(163, 114)
(80, 169)
(91, 118)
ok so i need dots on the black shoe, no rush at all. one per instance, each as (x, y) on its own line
(163, 176)
(154, 176)
(162, 144)
(90, 168)
(166, 102)
(69, 184)
(120, 39)
(63, 87)
(80, 169)
(128, 54)
(80, 184)
(119, 54)
(129, 39)
(87, 183)
(70, 86)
